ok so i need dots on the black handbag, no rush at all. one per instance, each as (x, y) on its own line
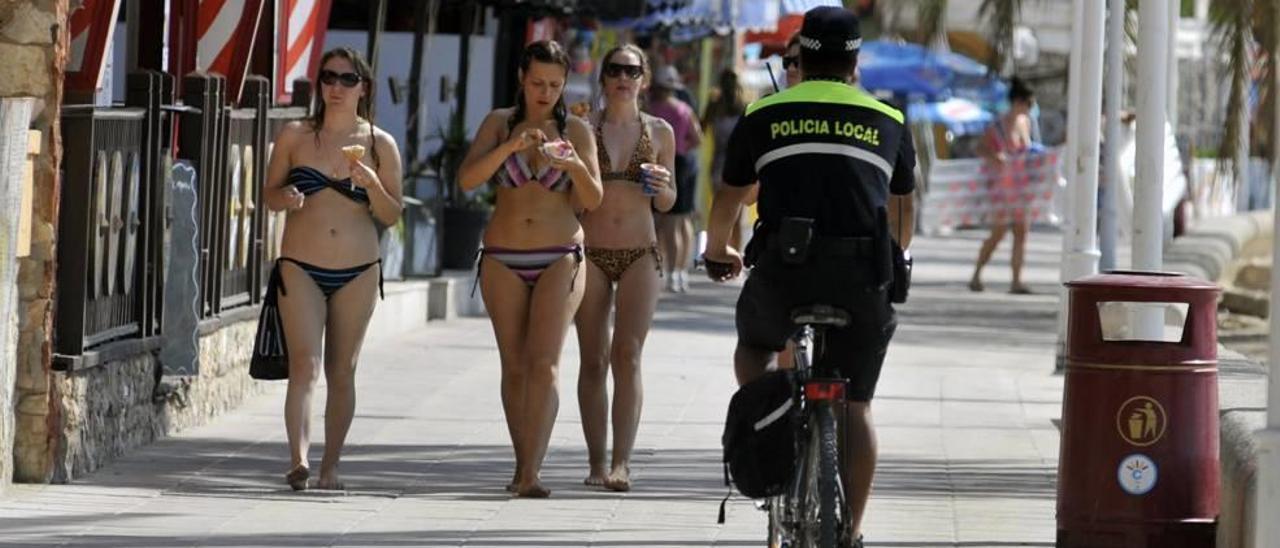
(270, 361)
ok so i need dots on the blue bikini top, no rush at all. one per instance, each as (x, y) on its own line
(309, 180)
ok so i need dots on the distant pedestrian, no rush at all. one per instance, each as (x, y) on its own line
(542, 160)
(1006, 140)
(720, 118)
(636, 153)
(329, 274)
(675, 228)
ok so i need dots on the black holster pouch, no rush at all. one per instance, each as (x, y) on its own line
(794, 235)
(894, 263)
(751, 253)
(901, 274)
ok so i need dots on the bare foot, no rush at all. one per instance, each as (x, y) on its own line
(330, 481)
(515, 480)
(619, 480)
(1020, 289)
(533, 490)
(297, 477)
(975, 285)
(597, 477)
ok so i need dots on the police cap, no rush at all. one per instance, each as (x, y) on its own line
(830, 31)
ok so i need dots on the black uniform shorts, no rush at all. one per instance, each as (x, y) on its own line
(774, 289)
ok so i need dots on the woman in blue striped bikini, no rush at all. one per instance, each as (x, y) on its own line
(336, 201)
(543, 163)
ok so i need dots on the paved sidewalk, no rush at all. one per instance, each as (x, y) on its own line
(964, 408)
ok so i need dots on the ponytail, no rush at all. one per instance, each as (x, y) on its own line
(561, 114)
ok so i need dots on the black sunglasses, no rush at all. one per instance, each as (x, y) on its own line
(614, 70)
(789, 61)
(348, 79)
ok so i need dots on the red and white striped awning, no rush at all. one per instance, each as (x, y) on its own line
(225, 31)
(91, 27)
(300, 32)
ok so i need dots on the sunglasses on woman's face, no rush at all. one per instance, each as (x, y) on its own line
(348, 79)
(614, 70)
(789, 61)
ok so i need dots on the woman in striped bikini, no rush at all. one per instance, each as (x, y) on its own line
(543, 163)
(636, 151)
(336, 202)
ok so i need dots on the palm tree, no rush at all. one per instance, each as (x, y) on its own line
(931, 20)
(1269, 40)
(1000, 16)
(1234, 33)
(1247, 34)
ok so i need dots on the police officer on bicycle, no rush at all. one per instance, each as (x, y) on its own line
(835, 169)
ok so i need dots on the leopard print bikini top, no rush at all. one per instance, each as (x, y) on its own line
(641, 154)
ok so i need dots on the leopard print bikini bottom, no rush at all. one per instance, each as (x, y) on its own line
(615, 262)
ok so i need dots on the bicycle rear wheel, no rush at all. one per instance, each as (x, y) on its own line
(828, 476)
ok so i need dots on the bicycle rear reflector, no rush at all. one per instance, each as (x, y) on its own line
(824, 390)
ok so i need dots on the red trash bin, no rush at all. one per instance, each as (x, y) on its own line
(1139, 456)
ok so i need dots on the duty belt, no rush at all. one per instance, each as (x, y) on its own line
(832, 246)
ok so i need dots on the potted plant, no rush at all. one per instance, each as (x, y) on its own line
(465, 213)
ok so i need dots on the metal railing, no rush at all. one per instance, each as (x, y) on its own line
(115, 216)
(229, 149)
(103, 239)
(200, 133)
(246, 171)
(272, 223)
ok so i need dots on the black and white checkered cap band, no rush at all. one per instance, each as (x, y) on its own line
(816, 45)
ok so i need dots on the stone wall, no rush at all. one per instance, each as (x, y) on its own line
(109, 409)
(33, 43)
(15, 116)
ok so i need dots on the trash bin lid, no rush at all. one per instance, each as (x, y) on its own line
(1143, 279)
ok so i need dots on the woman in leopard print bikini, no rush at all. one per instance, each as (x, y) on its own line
(622, 263)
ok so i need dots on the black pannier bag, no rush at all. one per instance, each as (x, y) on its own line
(760, 435)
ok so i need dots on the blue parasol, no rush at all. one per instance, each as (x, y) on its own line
(910, 70)
(961, 116)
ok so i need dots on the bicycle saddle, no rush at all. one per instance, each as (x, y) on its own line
(820, 314)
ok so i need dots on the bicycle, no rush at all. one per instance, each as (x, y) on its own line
(812, 512)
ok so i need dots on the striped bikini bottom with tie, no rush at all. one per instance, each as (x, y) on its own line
(330, 280)
(529, 264)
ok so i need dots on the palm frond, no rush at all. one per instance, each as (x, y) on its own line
(1268, 35)
(931, 17)
(1232, 29)
(1001, 17)
(1131, 24)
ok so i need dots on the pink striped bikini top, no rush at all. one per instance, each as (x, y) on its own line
(515, 173)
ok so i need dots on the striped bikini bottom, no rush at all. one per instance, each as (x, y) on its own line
(529, 264)
(330, 280)
(270, 359)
